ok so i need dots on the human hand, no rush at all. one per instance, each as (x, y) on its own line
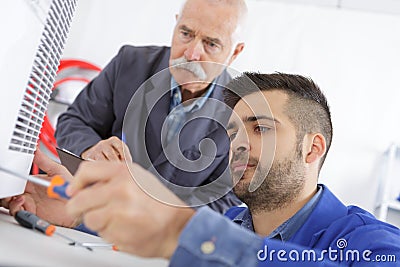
(114, 201)
(112, 149)
(35, 198)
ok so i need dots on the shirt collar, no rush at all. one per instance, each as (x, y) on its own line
(176, 97)
(287, 229)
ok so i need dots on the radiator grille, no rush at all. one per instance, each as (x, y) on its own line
(40, 83)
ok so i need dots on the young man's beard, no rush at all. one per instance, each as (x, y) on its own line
(282, 184)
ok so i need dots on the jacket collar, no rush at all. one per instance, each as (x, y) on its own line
(328, 209)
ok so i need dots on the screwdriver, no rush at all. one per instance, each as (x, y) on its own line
(31, 221)
(55, 187)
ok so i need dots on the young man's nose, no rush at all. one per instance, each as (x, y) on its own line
(240, 143)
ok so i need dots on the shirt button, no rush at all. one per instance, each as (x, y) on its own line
(207, 247)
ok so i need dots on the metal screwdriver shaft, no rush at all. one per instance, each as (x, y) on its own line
(27, 177)
(55, 188)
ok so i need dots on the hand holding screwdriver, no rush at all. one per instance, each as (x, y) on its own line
(55, 187)
(36, 196)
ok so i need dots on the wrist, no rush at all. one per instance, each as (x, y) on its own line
(76, 222)
(180, 220)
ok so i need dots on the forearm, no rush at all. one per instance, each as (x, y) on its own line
(90, 118)
(74, 135)
(210, 239)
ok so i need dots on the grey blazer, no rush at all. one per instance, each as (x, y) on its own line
(124, 87)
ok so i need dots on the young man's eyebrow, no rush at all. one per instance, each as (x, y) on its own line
(231, 125)
(259, 117)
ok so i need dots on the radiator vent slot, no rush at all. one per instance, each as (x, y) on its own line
(40, 83)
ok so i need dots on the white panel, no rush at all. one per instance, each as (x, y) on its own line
(106, 25)
(386, 6)
(33, 37)
(331, 3)
(20, 40)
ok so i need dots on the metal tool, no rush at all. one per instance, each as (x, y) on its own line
(55, 187)
(99, 244)
(31, 221)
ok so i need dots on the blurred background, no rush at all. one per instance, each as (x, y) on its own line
(351, 48)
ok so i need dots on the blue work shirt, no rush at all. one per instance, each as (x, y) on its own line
(332, 232)
(286, 230)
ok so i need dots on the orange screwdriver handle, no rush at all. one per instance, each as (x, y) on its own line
(57, 188)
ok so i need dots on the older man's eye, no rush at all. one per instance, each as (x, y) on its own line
(212, 47)
(185, 35)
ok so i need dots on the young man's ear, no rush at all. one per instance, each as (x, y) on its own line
(315, 147)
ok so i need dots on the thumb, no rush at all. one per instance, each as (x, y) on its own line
(49, 166)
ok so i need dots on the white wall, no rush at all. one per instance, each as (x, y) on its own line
(353, 56)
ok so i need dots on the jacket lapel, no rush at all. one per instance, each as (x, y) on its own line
(157, 101)
(197, 129)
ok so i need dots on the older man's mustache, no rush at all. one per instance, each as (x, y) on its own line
(193, 67)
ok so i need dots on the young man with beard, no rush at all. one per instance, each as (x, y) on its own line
(280, 133)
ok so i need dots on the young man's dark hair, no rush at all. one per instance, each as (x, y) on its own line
(309, 109)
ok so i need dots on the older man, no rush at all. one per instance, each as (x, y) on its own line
(169, 108)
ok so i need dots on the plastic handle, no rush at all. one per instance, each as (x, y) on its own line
(57, 188)
(30, 220)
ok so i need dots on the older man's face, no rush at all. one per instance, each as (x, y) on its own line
(265, 157)
(203, 36)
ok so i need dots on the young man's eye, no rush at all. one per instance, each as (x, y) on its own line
(261, 129)
(232, 136)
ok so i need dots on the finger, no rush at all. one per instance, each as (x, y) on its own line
(94, 152)
(16, 205)
(49, 166)
(121, 148)
(110, 153)
(117, 144)
(4, 202)
(97, 156)
(89, 198)
(126, 154)
(90, 172)
(86, 154)
(28, 203)
(97, 219)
